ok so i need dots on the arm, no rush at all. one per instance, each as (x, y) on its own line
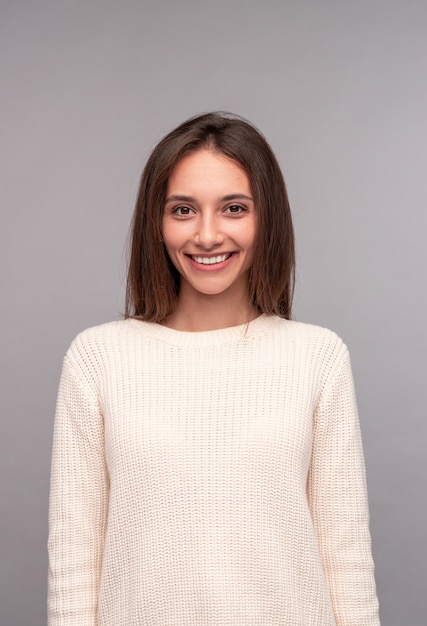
(338, 502)
(78, 503)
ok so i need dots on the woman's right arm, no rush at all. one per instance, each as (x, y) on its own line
(78, 502)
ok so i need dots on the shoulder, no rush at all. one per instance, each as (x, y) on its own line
(312, 349)
(102, 345)
(308, 336)
(97, 337)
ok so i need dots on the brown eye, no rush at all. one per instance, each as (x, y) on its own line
(182, 210)
(235, 209)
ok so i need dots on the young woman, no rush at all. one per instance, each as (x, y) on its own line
(207, 463)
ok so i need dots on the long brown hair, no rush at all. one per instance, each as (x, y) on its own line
(152, 281)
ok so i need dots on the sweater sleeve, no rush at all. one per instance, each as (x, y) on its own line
(338, 502)
(78, 503)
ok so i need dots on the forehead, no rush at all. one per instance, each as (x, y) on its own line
(207, 170)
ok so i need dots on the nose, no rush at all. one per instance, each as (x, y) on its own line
(208, 233)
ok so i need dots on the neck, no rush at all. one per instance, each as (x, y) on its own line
(197, 312)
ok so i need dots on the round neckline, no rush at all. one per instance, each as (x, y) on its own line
(259, 326)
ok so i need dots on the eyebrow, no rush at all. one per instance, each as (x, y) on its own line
(231, 196)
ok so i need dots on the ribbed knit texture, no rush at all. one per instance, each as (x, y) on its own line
(209, 479)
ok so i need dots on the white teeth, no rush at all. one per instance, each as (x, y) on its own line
(211, 260)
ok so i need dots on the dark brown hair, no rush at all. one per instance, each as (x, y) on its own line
(153, 282)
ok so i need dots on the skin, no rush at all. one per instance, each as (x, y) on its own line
(210, 215)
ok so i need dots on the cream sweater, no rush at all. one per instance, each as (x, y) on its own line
(209, 479)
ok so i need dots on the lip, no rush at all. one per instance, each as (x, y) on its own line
(214, 267)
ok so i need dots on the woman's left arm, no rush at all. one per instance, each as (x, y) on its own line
(338, 501)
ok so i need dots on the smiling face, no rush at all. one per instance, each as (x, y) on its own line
(209, 224)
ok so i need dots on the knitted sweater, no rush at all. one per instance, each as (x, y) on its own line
(209, 479)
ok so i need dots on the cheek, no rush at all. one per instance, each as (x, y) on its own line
(251, 240)
(173, 240)
(170, 236)
(175, 234)
(247, 235)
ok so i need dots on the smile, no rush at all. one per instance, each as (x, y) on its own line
(211, 260)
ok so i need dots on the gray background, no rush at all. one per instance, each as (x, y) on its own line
(340, 90)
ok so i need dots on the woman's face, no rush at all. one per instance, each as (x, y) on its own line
(209, 223)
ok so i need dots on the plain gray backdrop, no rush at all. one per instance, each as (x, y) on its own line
(340, 90)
